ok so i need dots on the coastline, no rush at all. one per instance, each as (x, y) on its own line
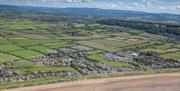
(91, 82)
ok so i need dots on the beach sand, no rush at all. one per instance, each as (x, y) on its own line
(155, 82)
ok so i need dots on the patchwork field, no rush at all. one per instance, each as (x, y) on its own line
(167, 50)
(118, 42)
(5, 57)
(96, 56)
(174, 55)
(36, 52)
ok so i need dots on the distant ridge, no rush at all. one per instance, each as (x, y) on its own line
(97, 13)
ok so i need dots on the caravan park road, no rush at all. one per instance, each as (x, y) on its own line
(155, 82)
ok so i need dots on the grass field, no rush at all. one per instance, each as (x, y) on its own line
(39, 48)
(30, 42)
(124, 40)
(175, 56)
(6, 57)
(167, 51)
(165, 46)
(153, 36)
(160, 51)
(22, 24)
(4, 41)
(177, 46)
(94, 55)
(25, 53)
(20, 64)
(9, 47)
(23, 39)
(44, 69)
(57, 44)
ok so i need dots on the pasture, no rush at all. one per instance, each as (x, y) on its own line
(21, 40)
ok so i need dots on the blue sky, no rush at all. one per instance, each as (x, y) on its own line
(155, 6)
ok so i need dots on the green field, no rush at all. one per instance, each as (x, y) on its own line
(22, 24)
(153, 36)
(39, 48)
(44, 69)
(177, 46)
(20, 64)
(9, 47)
(25, 53)
(56, 45)
(167, 51)
(165, 46)
(6, 57)
(124, 40)
(4, 41)
(95, 56)
(175, 56)
(22, 40)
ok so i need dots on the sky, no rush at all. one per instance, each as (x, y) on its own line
(153, 6)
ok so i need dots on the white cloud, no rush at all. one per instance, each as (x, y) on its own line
(148, 4)
(75, 1)
(162, 7)
(169, 6)
(135, 4)
(177, 7)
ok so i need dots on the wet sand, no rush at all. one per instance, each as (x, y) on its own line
(156, 82)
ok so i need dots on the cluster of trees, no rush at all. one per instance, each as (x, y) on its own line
(150, 27)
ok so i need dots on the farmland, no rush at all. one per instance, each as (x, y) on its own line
(36, 50)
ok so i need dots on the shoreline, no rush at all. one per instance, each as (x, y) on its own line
(91, 82)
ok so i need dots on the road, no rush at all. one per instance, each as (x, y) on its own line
(156, 82)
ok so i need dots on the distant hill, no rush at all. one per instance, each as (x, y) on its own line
(98, 13)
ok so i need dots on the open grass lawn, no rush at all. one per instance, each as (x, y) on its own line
(21, 64)
(77, 25)
(136, 37)
(101, 59)
(153, 36)
(26, 53)
(10, 34)
(130, 42)
(108, 42)
(6, 57)
(120, 39)
(175, 56)
(20, 24)
(98, 45)
(1, 37)
(4, 41)
(177, 46)
(135, 32)
(69, 37)
(57, 44)
(32, 42)
(51, 36)
(165, 46)
(35, 36)
(120, 34)
(23, 39)
(160, 51)
(95, 56)
(27, 42)
(112, 44)
(94, 25)
(39, 48)
(44, 69)
(9, 47)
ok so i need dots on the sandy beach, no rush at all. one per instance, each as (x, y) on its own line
(155, 82)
